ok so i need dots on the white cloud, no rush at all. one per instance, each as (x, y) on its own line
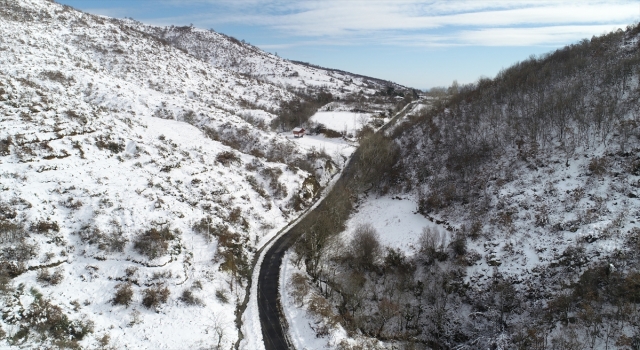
(341, 18)
(461, 12)
(552, 36)
(556, 35)
(433, 23)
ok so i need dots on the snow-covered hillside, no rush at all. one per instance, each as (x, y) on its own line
(136, 182)
(509, 220)
(227, 52)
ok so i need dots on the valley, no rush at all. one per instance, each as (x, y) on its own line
(153, 195)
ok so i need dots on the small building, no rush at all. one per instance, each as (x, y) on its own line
(298, 132)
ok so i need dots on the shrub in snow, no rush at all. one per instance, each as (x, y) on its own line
(222, 296)
(205, 227)
(136, 318)
(470, 258)
(280, 152)
(50, 278)
(123, 295)
(5, 282)
(4, 146)
(48, 320)
(48, 256)
(104, 340)
(235, 215)
(189, 298)
(273, 174)
(321, 309)
(227, 158)
(105, 142)
(256, 186)
(56, 76)
(598, 166)
(45, 226)
(633, 239)
(459, 245)
(432, 244)
(395, 260)
(161, 275)
(20, 252)
(365, 132)
(112, 241)
(70, 203)
(296, 203)
(155, 296)
(475, 231)
(153, 242)
(300, 288)
(332, 134)
(188, 116)
(130, 271)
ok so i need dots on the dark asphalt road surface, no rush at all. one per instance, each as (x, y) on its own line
(273, 333)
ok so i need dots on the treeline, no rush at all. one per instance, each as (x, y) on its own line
(580, 96)
(369, 165)
(297, 111)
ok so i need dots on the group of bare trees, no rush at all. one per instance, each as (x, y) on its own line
(297, 111)
(382, 293)
(422, 301)
(579, 97)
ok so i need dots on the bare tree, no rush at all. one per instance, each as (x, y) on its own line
(432, 243)
(365, 246)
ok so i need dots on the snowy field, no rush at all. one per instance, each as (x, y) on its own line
(398, 225)
(337, 148)
(342, 121)
(396, 220)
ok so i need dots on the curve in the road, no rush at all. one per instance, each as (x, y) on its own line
(274, 334)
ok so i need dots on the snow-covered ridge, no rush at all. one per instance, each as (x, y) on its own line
(227, 52)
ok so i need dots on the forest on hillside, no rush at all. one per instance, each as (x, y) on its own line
(541, 162)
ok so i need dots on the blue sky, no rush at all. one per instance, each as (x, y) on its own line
(416, 43)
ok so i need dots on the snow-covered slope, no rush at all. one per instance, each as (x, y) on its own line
(227, 52)
(127, 164)
(509, 221)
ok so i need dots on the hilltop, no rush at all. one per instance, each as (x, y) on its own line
(229, 53)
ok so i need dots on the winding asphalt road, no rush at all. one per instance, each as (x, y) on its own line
(273, 333)
(272, 320)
